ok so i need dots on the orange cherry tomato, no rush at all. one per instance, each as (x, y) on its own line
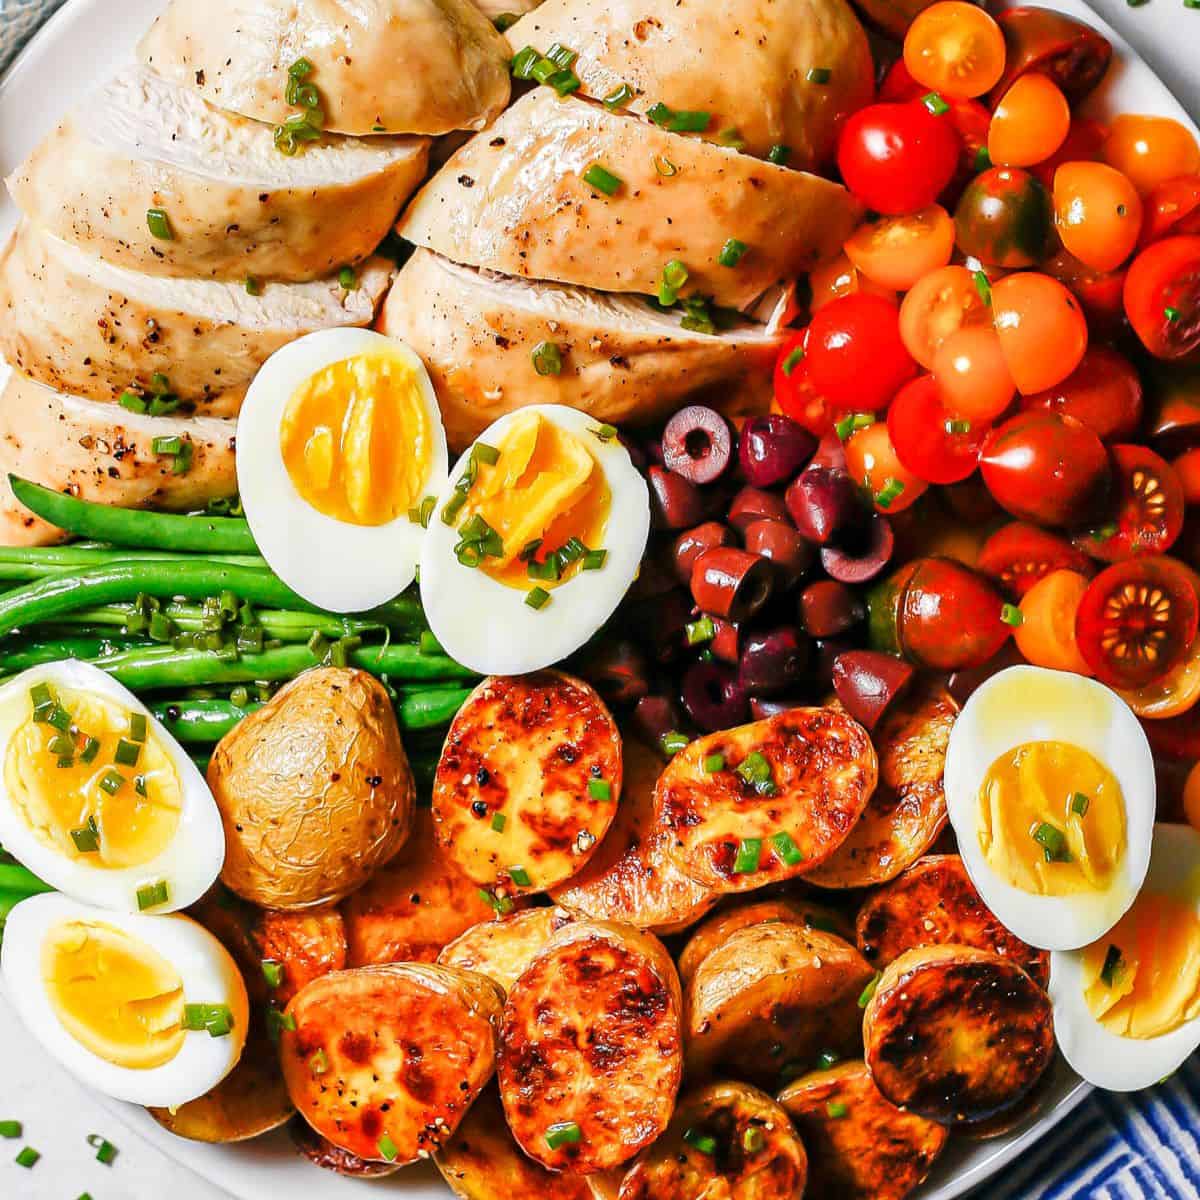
(1046, 635)
(1191, 797)
(937, 305)
(1151, 150)
(838, 277)
(1187, 467)
(1098, 213)
(1029, 124)
(955, 49)
(871, 460)
(1042, 329)
(1171, 695)
(897, 251)
(972, 376)
(1172, 208)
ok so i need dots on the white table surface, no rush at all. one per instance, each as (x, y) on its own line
(58, 1114)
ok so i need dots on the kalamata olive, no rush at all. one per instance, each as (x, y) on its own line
(674, 503)
(773, 448)
(731, 583)
(659, 623)
(653, 451)
(789, 553)
(616, 668)
(697, 444)
(655, 576)
(830, 452)
(727, 641)
(828, 608)
(655, 715)
(636, 454)
(753, 504)
(822, 502)
(762, 707)
(692, 543)
(772, 662)
(867, 681)
(862, 557)
(712, 696)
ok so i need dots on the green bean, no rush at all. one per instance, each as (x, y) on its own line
(15, 878)
(20, 564)
(136, 527)
(199, 722)
(22, 656)
(430, 709)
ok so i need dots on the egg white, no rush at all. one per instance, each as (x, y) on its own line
(487, 626)
(208, 973)
(189, 864)
(1029, 704)
(333, 564)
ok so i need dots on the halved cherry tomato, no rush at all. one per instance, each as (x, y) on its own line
(1097, 212)
(872, 461)
(1082, 144)
(838, 276)
(1101, 293)
(855, 356)
(794, 394)
(955, 49)
(1004, 217)
(1162, 297)
(1170, 696)
(1137, 619)
(1187, 471)
(1029, 124)
(1019, 554)
(1042, 330)
(1147, 508)
(1071, 53)
(1151, 150)
(1172, 208)
(1046, 635)
(897, 251)
(938, 304)
(972, 376)
(1104, 392)
(928, 439)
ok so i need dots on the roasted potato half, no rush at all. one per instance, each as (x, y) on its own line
(860, 1145)
(934, 903)
(771, 996)
(957, 1034)
(321, 1152)
(502, 950)
(728, 1140)
(766, 801)
(592, 1048)
(907, 810)
(314, 789)
(384, 1061)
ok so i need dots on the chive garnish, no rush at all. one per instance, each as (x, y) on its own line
(599, 789)
(818, 75)
(827, 1059)
(686, 121)
(87, 837)
(836, 1109)
(519, 876)
(1172, 314)
(319, 1063)
(618, 97)
(547, 359)
(674, 276)
(712, 763)
(499, 820)
(1010, 614)
(779, 154)
(10, 1129)
(749, 855)
(698, 1140)
(138, 727)
(253, 287)
(865, 995)
(1079, 804)
(851, 423)
(112, 781)
(160, 224)
(562, 1133)
(700, 631)
(602, 179)
(105, 1150)
(151, 895)
(1113, 964)
(127, 753)
(673, 741)
(935, 104)
(659, 113)
(983, 159)
(523, 62)
(793, 360)
(593, 560)
(278, 1023)
(732, 253)
(732, 137)
(1053, 842)
(891, 491)
(755, 770)
(984, 287)
(272, 972)
(664, 166)
(500, 904)
(789, 853)
(347, 279)
(27, 1157)
(89, 750)
(561, 56)
(605, 433)
(388, 1150)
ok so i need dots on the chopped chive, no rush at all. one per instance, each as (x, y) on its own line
(139, 785)
(868, 992)
(498, 822)
(1010, 614)
(748, 856)
(599, 789)
(91, 747)
(605, 433)
(562, 1133)
(1172, 314)
(755, 770)
(27, 1157)
(674, 276)
(753, 1140)
(105, 1150)
(712, 763)
(956, 425)
(523, 62)
(87, 837)
(319, 1063)
(564, 82)
(732, 137)
(10, 1129)
(519, 876)
(547, 359)
(793, 360)
(302, 68)
(789, 853)
(112, 781)
(618, 97)
(500, 904)
(836, 1110)
(488, 455)
(543, 70)
(132, 402)
(827, 1059)
(138, 727)
(891, 491)
(61, 743)
(278, 1023)
(537, 598)
(983, 286)
(253, 287)
(388, 1149)
(1113, 964)
(593, 560)
(983, 159)
(659, 113)
(1080, 804)
(935, 104)
(1053, 841)
(686, 121)
(602, 179)
(818, 75)
(126, 753)
(160, 224)
(151, 895)
(561, 56)
(732, 253)
(673, 741)
(704, 1142)
(272, 972)
(700, 631)
(779, 154)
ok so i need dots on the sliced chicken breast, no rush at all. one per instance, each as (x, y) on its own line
(767, 73)
(236, 208)
(101, 452)
(379, 66)
(514, 200)
(622, 361)
(79, 324)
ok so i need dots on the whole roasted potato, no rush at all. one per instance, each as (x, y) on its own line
(314, 789)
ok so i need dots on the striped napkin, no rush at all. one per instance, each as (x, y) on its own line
(18, 20)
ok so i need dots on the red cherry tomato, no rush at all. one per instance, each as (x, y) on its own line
(856, 358)
(1187, 468)
(1100, 293)
(794, 393)
(1172, 208)
(1147, 508)
(928, 440)
(1018, 555)
(898, 84)
(1162, 297)
(1137, 620)
(897, 158)
(872, 461)
(949, 616)
(1104, 392)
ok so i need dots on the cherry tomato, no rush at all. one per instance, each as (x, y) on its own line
(855, 356)
(1004, 217)
(929, 441)
(955, 49)
(1162, 297)
(1172, 208)
(1097, 212)
(1100, 293)
(897, 158)
(872, 461)
(1042, 330)
(948, 616)
(1151, 150)
(898, 84)
(838, 276)
(1047, 468)
(1082, 144)
(794, 393)
(941, 302)
(1173, 694)
(1071, 53)
(1029, 124)
(897, 251)
(972, 376)
(1137, 620)
(1146, 514)
(1187, 470)
(1104, 392)
(1019, 554)
(1046, 635)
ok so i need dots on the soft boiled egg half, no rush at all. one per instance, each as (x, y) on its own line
(534, 541)
(97, 798)
(147, 1009)
(1050, 789)
(339, 442)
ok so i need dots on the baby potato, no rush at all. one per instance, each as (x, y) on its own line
(502, 950)
(384, 1061)
(591, 1050)
(957, 1034)
(860, 1145)
(321, 1152)
(728, 1140)
(314, 789)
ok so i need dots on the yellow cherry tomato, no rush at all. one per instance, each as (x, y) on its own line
(1046, 635)
(1098, 213)
(1150, 150)
(956, 49)
(897, 251)
(1029, 124)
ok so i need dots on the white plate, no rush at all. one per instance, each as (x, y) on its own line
(75, 52)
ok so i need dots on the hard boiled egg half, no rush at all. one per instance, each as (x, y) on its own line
(534, 541)
(147, 1009)
(1050, 789)
(97, 798)
(339, 442)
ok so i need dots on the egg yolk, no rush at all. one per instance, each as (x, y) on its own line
(113, 994)
(357, 441)
(1142, 979)
(1052, 819)
(77, 796)
(544, 489)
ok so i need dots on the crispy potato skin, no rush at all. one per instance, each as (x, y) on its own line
(526, 747)
(673, 1169)
(824, 769)
(321, 1152)
(314, 789)
(407, 1047)
(934, 903)
(907, 810)
(592, 1034)
(875, 1152)
(770, 995)
(502, 950)
(957, 1034)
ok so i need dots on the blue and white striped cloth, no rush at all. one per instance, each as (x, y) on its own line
(18, 20)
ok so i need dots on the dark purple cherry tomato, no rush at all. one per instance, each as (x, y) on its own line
(1005, 218)
(1104, 392)
(1051, 43)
